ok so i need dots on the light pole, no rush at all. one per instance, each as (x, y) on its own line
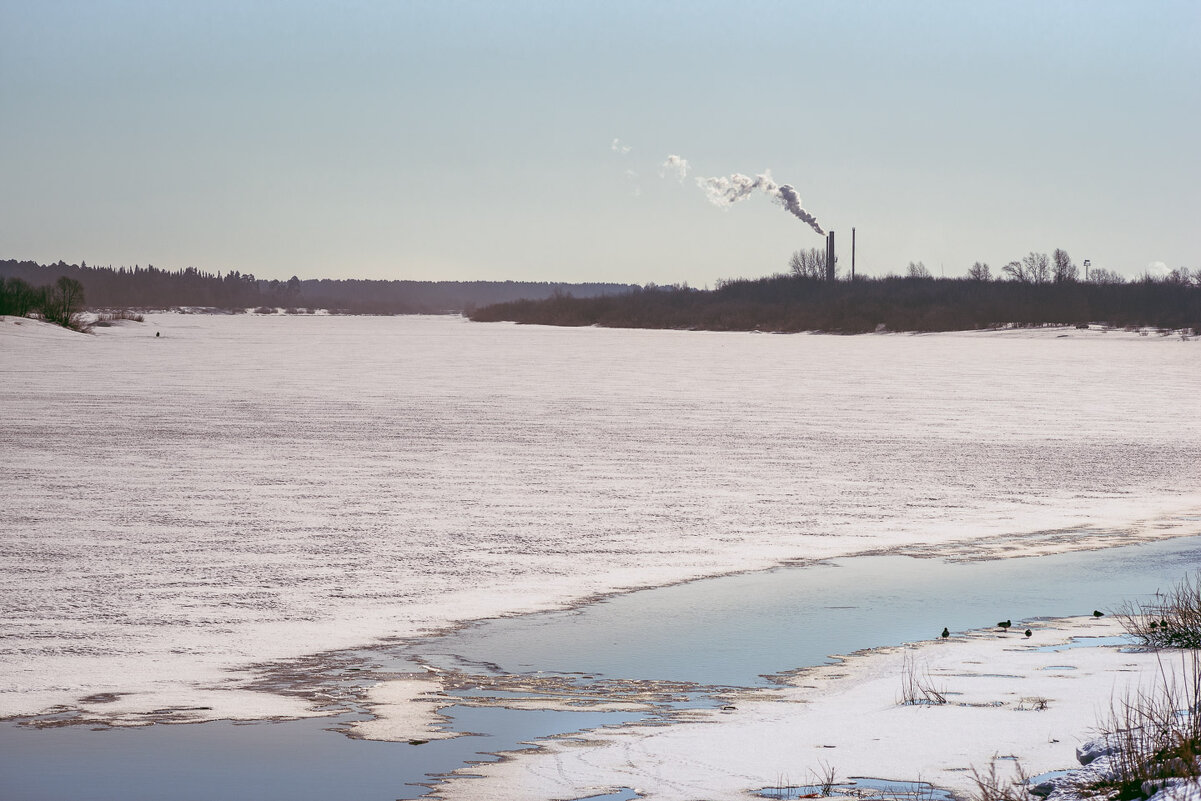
(1087, 262)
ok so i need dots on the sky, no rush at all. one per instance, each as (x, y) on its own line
(457, 140)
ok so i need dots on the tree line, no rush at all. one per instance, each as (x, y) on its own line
(150, 287)
(1036, 290)
(1034, 268)
(915, 302)
(60, 302)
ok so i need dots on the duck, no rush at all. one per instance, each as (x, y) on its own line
(1029, 633)
(1005, 624)
(1098, 613)
(945, 632)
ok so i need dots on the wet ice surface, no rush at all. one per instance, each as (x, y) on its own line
(245, 489)
(735, 629)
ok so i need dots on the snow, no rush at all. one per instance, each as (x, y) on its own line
(405, 709)
(179, 509)
(1006, 701)
(1181, 791)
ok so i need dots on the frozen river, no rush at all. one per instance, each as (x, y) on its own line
(245, 489)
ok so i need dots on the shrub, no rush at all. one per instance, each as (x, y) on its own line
(62, 303)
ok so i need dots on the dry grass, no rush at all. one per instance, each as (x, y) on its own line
(917, 687)
(991, 787)
(1172, 620)
(105, 319)
(824, 780)
(1155, 733)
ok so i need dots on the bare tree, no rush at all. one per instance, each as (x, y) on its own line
(16, 297)
(1038, 267)
(979, 272)
(1016, 272)
(916, 270)
(810, 263)
(1099, 275)
(1062, 267)
(1182, 276)
(62, 303)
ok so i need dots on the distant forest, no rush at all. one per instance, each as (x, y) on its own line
(152, 288)
(1036, 291)
(797, 302)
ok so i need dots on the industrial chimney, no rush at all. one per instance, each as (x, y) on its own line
(830, 256)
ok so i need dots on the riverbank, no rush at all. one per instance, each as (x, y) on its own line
(656, 657)
(1008, 698)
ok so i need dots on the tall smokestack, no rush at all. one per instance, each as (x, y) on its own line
(830, 256)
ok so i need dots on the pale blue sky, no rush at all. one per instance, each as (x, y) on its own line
(465, 140)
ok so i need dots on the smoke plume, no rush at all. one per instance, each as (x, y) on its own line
(723, 191)
(792, 201)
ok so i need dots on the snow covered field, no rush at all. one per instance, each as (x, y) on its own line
(245, 489)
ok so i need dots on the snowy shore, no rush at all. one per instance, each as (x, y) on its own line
(1010, 699)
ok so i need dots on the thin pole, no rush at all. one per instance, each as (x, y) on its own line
(852, 253)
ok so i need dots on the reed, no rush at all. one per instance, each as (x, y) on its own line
(1171, 620)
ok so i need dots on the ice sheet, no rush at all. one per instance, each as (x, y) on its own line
(241, 489)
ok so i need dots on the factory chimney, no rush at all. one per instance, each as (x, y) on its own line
(830, 256)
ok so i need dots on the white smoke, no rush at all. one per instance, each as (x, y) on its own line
(790, 200)
(675, 165)
(619, 147)
(723, 191)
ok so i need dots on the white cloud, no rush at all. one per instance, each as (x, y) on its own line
(675, 165)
